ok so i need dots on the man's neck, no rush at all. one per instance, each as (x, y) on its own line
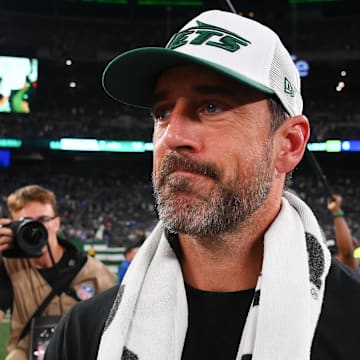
(227, 263)
(221, 270)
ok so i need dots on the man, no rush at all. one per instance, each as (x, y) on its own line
(26, 281)
(129, 255)
(235, 269)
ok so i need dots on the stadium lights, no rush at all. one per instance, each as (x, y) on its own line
(75, 144)
(135, 146)
(340, 86)
(10, 143)
(250, 14)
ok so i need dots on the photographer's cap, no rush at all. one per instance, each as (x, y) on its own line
(227, 43)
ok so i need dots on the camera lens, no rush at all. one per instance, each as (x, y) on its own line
(29, 238)
(31, 235)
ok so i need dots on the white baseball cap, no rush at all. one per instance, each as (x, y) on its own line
(225, 42)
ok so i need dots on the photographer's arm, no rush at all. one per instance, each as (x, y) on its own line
(344, 239)
(5, 241)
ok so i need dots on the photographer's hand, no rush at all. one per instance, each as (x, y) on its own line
(5, 235)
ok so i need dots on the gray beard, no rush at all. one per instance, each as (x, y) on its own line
(224, 211)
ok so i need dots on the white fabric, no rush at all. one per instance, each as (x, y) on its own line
(151, 320)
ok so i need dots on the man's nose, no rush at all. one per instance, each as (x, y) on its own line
(182, 131)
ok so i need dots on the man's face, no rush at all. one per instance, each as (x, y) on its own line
(43, 213)
(212, 151)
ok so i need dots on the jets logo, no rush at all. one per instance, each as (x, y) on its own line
(205, 34)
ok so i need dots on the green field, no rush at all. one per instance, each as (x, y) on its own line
(4, 335)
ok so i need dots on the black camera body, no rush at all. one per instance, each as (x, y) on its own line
(29, 238)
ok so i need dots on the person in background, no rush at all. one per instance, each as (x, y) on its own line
(345, 243)
(237, 267)
(129, 255)
(26, 281)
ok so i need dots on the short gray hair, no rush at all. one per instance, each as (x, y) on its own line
(278, 116)
(278, 113)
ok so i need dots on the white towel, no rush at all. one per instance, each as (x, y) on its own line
(149, 317)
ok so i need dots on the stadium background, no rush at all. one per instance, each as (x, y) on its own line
(105, 198)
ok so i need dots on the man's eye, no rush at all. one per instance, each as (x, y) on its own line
(212, 108)
(161, 114)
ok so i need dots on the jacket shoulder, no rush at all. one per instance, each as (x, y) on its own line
(336, 336)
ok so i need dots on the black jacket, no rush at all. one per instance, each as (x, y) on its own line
(336, 338)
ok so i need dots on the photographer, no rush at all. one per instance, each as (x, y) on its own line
(26, 281)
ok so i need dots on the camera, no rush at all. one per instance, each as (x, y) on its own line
(29, 238)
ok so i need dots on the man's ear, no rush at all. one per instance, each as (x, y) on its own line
(291, 141)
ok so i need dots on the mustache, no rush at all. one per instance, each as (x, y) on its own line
(173, 162)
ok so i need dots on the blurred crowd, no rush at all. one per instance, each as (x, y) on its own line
(78, 121)
(312, 190)
(120, 211)
(116, 121)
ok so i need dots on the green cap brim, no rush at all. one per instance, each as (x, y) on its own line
(130, 77)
